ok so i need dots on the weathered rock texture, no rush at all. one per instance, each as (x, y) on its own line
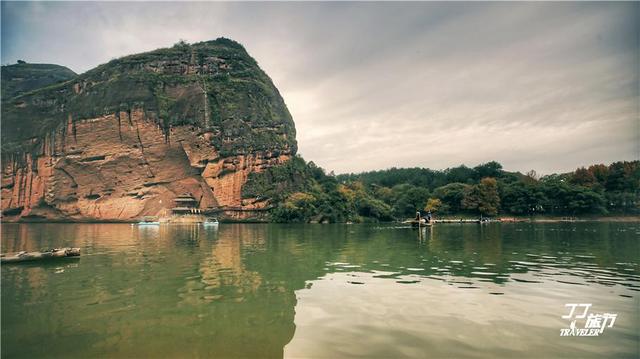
(123, 140)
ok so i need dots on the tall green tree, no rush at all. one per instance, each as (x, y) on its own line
(523, 198)
(490, 169)
(451, 196)
(483, 197)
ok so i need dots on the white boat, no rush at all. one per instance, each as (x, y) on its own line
(148, 221)
(210, 222)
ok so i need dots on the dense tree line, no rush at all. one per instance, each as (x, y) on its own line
(302, 192)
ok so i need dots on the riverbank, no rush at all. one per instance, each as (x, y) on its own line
(586, 219)
(543, 219)
(442, 219)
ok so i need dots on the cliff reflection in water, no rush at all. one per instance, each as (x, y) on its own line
(152, 291)
(176, 291)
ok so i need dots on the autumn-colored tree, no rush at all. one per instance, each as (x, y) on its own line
(348, 193)
(600, 172)
(433, 205)
(583, 177)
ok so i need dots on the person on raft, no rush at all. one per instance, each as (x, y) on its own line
(421, 219)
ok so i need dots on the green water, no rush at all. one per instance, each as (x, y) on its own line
(326, 291)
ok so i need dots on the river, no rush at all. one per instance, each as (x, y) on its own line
(325, 291)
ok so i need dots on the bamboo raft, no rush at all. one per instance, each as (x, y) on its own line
(457, 220)
(35, 256)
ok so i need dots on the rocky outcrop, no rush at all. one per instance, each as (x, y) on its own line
(194, 130)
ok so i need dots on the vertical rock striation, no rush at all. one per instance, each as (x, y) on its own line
(124, 139)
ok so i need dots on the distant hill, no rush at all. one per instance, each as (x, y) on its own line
(24, 77)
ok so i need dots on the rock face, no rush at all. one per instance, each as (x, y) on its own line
(123, 140)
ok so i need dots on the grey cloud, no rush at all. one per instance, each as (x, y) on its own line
(548, 86)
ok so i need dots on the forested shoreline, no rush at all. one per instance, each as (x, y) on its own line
(302, 192)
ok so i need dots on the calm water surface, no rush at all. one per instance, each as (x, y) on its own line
(326, 291)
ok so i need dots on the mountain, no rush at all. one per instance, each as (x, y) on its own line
(125, 138)
(23, 77)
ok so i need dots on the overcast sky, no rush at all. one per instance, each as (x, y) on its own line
(544, 86)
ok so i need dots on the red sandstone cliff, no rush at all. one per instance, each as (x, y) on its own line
(121, 169)
(133, 163)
